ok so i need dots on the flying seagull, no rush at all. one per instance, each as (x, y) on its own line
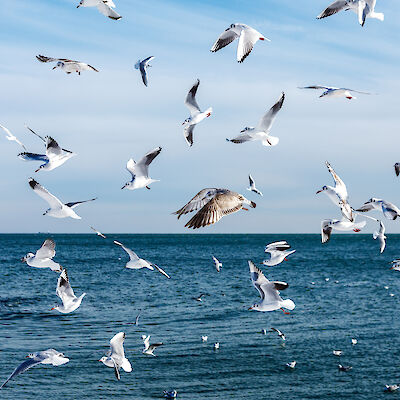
(196, 115)
(140, 171)
(138, 263)
(247, 36)
(104, 6)
(172, 394)
(391, 388)
(49, 356)
(68, 66)
(340, 225)
(278, 252)
(262, 130)
(43, 258)
(354, 341)
(338, 194)
(292, 364)
(11, 137)
(363, 8)
(280, 334)
(381, 236)
(390, 211)
(252, 187)
(115, 357)
(57, 208)
(142, 67)
(337, 353)
(330, 91)
(200, 297)
(269, 292)
(218, 265)
(214, 204)
(149, 348)
(344, 368)
(64, 291)
(98, 233)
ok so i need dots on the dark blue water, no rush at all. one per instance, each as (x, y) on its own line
(248, 365)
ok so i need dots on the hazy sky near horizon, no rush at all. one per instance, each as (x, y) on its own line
(108, 117)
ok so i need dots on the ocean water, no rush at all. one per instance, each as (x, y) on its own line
(248, 365)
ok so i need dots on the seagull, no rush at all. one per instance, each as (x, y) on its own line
(68, 66)
(280, 334)
(354, 341)
(216, 346)
(291, 364)
(149, 348)
(397, 168)
(57, 208)
(326, 279)
(363, 8)
(115, 357)
(11, 137)
(104, 6)
(218, 265)
(338, 194)
(278, 252)
(199, 298)
(137, 263)
(381, 236)
(171, 394)
(390, 211)
(98, 233)
(214, 204)
(204, 338)
(391, 388)
(340, 225)
(252, 187)
(137, 318)
(196, 115)
(49, 356)
(391, 294)
(142, 67)
(395, 267)
(330, 91)
(66, 294)
(247, 36)
(344, 368)
(54, 157)
(269, 292)
(43, 258)
(261, 131)
(140, 171)
(386, 287)
(337, 353)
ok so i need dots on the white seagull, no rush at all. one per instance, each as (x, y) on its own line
(49, 356)
(330, 91)
(354, 341)
(337, 353)
(140, 171)
(149, 348)
(196, 115)
(11, 137)
(363, 8)
(218, 265)
(66, 294)
(172, 394)
(381, 236)
(104, 6)
(262, 130)
(68, 66)
(338, 194)
(252, 187)
(214, 204)
(115, 357)
(97, 232)
(247, 36)
(43, 258)
(340, 225)
(391, 388)
(278, 252)
(269, 292)
(142, 67)
(57, 208)
(390, 211)
(216, 346)
(280, 334)
(291, 364)
(138, 263)
(204, 338)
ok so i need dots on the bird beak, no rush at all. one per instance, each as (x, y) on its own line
(250, 308)
(243, 130)
(23, 259)
(319, 191)
(37, 170)
(123, 187)
(183, 123)
(99, 360)
(52, 308)
(54, 67)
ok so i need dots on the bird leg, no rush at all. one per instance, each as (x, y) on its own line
(285, 312)
(245, 209)
(357, 230)
(147, 187)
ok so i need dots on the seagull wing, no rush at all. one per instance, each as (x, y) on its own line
(242, 138)
(36, 134)
(188, 132)
(64, 290)
(190, 101)
(161, 271)
(26, 156)
(340, 186)
(74, 204)
(251, 181)
(317, 87)
(198, 201)
(47, 250)
(141, 168)
(44, 194)
(226, 37)
(390, 211)
(132, 255)
(117, 345)
(106, 10)
(367, 207)
(247, 40)
(268, 118)
(52, 148)
(397, 169)
(153, 346)
(326, 230)
(334, 8)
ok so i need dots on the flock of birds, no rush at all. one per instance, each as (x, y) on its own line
(209, 204)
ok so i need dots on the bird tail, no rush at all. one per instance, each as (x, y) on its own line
(289, 304)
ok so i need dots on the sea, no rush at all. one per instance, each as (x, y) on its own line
(342, 290)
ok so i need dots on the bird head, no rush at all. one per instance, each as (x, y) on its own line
(59, 64)
(247, 128)
(186, 121)
(322, 189)
(254, 307)
(103, 359)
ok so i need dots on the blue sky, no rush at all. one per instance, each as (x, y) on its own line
(109, 117)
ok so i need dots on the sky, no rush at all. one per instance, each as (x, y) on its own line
(110, 116)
